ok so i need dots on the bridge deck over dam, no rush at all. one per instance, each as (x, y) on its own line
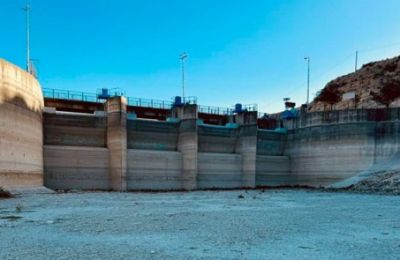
(112, 145)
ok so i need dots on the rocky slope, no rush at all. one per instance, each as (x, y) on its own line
(371, 77)
(383, 183)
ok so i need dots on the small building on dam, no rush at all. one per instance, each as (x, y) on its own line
(64, 140)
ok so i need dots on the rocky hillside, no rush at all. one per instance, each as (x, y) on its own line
(355, 88)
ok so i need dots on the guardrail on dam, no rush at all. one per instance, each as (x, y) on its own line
(100, 146)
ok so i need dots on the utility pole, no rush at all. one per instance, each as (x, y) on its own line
(27, 10)
(308, 78)
(182, 57)
(355, 67)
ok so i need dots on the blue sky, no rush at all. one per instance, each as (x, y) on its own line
(239, 51)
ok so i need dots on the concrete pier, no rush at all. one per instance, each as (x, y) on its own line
(188, 144)
(247, 146)
(117, 142)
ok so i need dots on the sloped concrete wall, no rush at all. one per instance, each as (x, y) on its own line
(74, 167)
(154, 170)
(21, 132)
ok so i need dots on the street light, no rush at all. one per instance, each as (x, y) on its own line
(182, 57)
(27, 10)
(308, 78)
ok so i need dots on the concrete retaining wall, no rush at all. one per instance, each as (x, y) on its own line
(21, 131)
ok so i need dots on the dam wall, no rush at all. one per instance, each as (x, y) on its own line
(21, 128)
(180, 154)
(186, 154)
(107, 147)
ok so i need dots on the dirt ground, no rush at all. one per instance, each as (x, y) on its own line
(275, 224)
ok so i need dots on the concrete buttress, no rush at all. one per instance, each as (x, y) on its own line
(117, 142)
(188, 144)
(246, 146)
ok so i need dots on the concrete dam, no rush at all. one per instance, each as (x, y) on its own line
(70, 143)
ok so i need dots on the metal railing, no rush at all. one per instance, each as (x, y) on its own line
(215, 110)
(151, 103)
(70, 95)
(142, 102)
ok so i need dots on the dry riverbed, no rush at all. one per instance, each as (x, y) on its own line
(275, 224)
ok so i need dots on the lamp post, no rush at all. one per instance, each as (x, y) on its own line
(27, 10)
(182, 57)
(308, 78)
(356, 63)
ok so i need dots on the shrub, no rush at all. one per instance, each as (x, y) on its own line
(4, 193)
(388, 93)
(330, 95)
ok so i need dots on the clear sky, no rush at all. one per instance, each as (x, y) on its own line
(239, 51)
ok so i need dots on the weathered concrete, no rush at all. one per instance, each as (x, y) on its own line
(117, 142)
(273, 171)
(321, 155)
(219, 170)
(74, 167)
(246, 146)
(270, 142)
(188, 144)
(217, 139)
(152, 135)
(21, 129)
(76, 130)
(154, 170)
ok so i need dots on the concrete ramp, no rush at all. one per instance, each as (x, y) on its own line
(390, 164)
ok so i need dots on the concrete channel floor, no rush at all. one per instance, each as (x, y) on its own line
(275, 224)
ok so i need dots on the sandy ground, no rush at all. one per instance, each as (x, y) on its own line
(276, 224)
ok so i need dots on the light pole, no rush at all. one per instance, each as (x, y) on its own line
(27, 10)
(308, 78)
(182, 57)
(355, 66)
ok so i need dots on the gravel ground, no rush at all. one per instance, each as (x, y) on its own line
(276, 224)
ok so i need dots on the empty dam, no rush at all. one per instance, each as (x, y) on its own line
(69, 143)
